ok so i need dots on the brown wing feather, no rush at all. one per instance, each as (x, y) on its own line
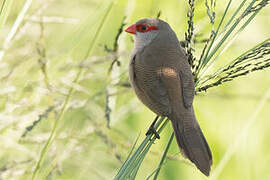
(186, 128)
(187, 88)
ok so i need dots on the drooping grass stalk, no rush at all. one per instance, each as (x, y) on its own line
(70, 92)
(112, 73)
(256, 58)
(267, 41)
(244, 131)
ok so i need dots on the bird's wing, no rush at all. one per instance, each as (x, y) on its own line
(147, 83)
(186, 78)
(177, 75)
(171, 80)
(188, 89)
(186, 128)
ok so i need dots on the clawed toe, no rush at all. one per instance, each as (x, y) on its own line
(152, 130)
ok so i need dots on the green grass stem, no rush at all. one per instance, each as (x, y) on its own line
(130, 168)
(163, 156)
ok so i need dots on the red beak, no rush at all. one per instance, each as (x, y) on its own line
(131, 29)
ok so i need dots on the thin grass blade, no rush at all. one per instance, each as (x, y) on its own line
(233, 38)
(227, 34)
(163, 156)
(202, 61)
(130, 168)
(142, 156)
(135, 155)
(4, 12)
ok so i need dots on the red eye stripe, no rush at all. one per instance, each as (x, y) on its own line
(145, 28)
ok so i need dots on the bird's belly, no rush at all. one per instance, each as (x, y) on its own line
(149, 89)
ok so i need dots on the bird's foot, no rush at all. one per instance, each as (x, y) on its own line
(152, 130)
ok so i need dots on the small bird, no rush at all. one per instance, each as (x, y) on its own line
(161, 77)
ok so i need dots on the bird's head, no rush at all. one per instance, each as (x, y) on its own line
(146, 30)
(144, 26)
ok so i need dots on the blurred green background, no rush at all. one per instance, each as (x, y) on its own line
(40, 61)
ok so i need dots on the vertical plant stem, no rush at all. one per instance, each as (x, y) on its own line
(189, 35)
(70, 92)
(15, 27)
(163, 156)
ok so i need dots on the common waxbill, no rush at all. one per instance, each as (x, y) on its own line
(161, 77)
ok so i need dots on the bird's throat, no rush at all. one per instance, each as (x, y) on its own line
(143, 39)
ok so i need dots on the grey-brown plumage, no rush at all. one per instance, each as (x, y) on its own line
(161, 77)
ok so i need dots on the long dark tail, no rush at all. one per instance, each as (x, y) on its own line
(191, 140)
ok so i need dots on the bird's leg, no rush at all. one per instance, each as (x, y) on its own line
(152, 130)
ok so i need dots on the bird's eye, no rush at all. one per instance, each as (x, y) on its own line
(144, 27)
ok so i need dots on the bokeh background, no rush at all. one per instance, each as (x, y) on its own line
(42, 45)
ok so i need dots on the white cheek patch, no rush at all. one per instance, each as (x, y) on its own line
(143, 39)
